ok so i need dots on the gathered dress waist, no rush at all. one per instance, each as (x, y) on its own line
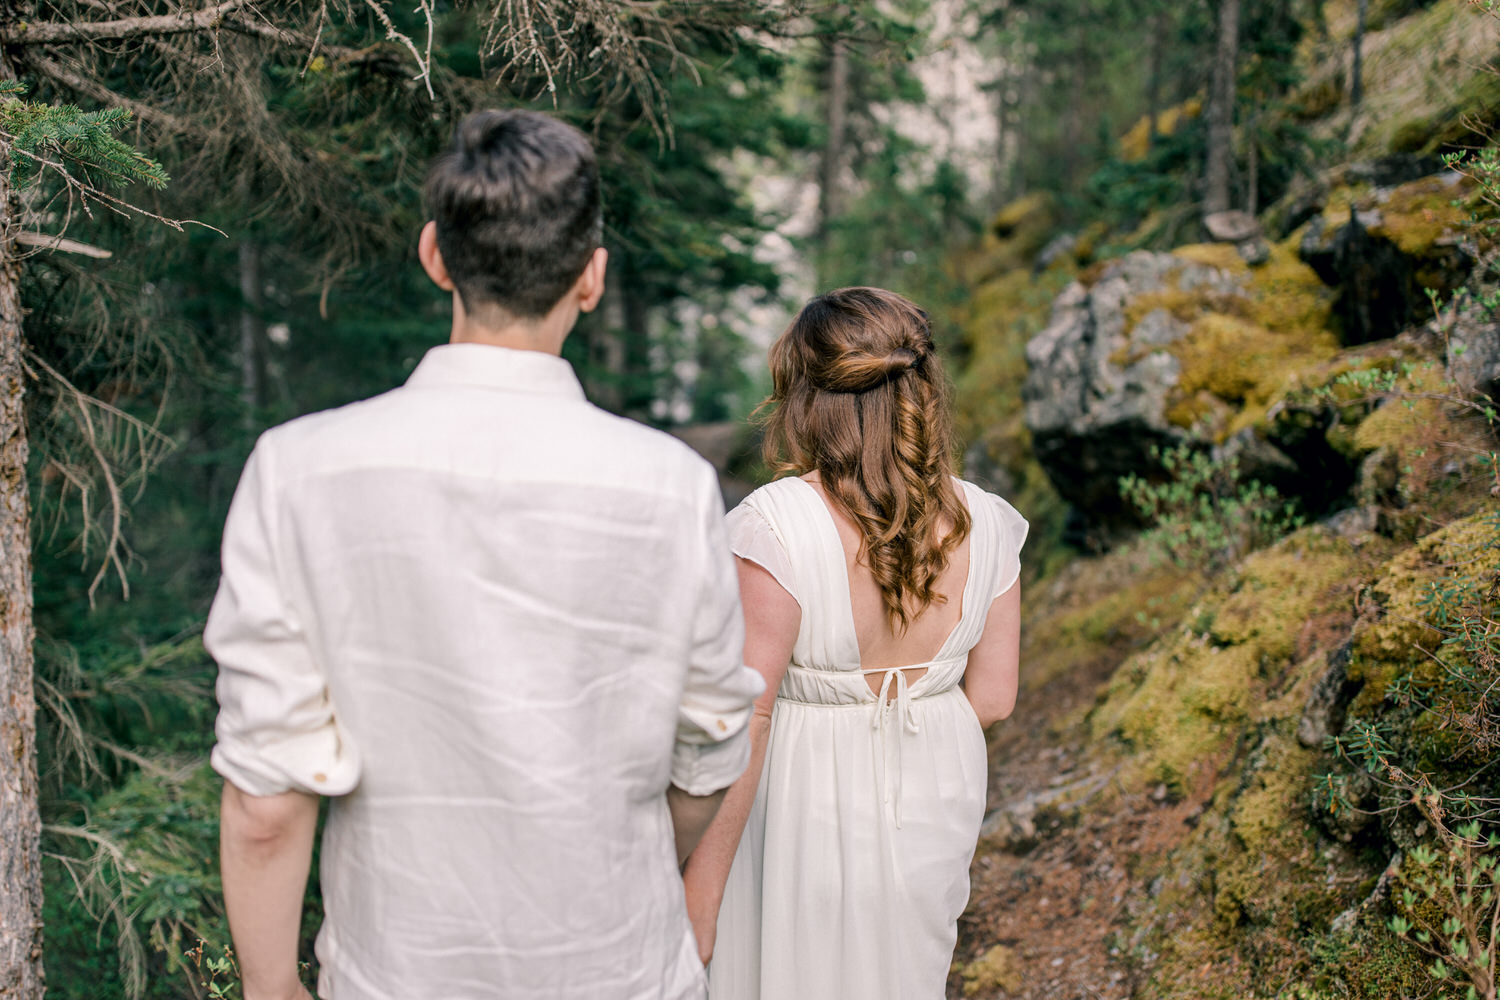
(825, 687)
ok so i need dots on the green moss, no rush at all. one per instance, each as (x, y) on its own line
(1421, 74)
(1390, 638)
(1034, 211)
(1220, 255)
(1183, 702)
(1370, 963)
(1281, 588)
(1416, 215)
(1289, 298)
(1115, 604)
(1245, 350)
(1273, 803)
(1004, 311)
(1135, 144)
(1318, 99)
(997, 969)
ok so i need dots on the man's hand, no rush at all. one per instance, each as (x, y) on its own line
(299, 993)
(265, 850)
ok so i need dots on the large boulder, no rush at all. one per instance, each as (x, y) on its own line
(1099, 385)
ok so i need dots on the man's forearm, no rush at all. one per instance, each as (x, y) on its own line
(691, 815)
(265, 850)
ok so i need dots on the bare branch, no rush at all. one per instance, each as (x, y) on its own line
(45, 241)
(424, 63)
(116, 553)
(314, 44)
(145, 112)
(209, 18)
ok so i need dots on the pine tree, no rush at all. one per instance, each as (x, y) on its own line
(301, 126)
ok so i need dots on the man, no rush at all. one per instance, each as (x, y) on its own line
(498, 625)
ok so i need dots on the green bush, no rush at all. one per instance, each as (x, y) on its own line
(1204, 516)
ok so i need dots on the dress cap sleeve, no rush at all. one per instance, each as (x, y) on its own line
(1012, 530)
(752, 537)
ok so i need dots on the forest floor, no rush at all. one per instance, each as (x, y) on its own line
(1048, 908)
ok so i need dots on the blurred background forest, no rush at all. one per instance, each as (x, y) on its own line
(1216, 282)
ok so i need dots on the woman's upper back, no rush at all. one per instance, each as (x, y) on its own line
(788, 528)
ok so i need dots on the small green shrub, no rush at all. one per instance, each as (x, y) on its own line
(218, 975)
(1439, 732)
(1204, 516)
(1457, 880)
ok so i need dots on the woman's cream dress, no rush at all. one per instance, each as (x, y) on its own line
(854, 866)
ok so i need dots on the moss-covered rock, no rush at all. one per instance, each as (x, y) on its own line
(1176, 703)
(1395, 632)
(1023, 227)
(997, 970)
(1135, 144)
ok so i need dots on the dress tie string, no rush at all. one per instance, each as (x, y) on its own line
(908, 723)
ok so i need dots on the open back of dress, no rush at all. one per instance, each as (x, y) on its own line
(854, 866)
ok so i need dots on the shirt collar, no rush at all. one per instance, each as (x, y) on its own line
(487, 367)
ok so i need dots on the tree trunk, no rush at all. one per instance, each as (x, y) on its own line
(20, 823)
(1356, 75)
(1252, 166)
(1007, 131)
(638, 391)
(1073, 119)
(835, 117)
(1221, 110)
(252, 349)
(1153, 83)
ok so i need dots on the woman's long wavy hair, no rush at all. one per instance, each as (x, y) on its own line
(860, 397)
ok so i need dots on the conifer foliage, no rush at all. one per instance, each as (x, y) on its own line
(43, 135)
(297, 132)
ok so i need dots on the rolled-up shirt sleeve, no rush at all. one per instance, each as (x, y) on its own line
(276, 729)
(713, 740)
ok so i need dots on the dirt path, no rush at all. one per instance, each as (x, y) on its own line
(1050, 884)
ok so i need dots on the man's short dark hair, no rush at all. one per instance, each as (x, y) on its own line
(516, 202)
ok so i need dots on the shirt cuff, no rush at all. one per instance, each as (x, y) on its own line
(319, 762)
(713, 744)
(708, 768)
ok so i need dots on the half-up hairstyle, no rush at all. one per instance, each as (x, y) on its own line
(859, 396)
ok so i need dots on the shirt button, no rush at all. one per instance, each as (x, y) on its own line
(722, 727)
(320, 777)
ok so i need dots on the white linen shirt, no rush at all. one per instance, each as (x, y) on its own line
(495, 622)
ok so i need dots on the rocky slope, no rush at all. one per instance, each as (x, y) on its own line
(1214, 784)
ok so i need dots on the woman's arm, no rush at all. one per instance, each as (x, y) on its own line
(772, 617)
(991, 678)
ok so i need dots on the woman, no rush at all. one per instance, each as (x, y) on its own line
(881, 605)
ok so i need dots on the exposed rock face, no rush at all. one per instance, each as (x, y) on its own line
(1393, 170)
(1378, 296)
(1098, 388)
(1323, 715)
(1474, 353)
(1390, 250)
